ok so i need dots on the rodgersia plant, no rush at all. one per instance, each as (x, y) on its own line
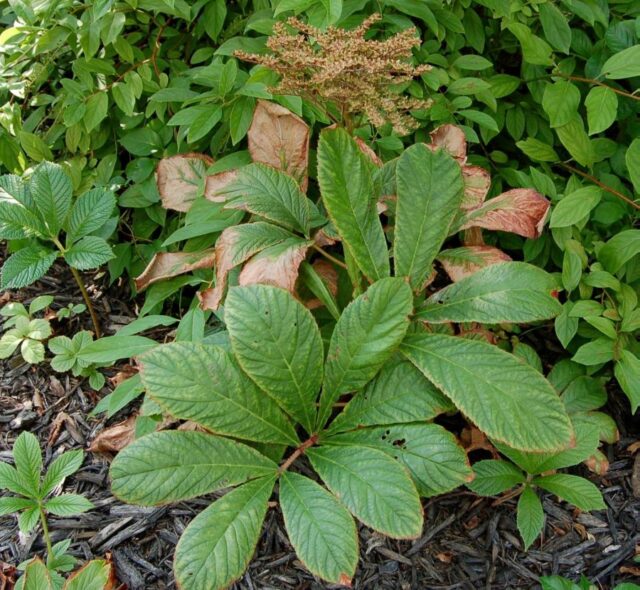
(269, 398)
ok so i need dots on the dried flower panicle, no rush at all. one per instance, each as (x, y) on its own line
(343, 67)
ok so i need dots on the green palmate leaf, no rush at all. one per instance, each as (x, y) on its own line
(68, 505)
(555, 26)
(374, 487)
(575, 206)
(435, 460)
(367, 333)
(37, 576)
(574, 489)
(561, 101)
(9, 504)
(399, 393)
(64, 465)
(28, 460)
(494, 477)
(32, 351)
(320, 529)
(586, 443)
(277, 343)
(271, 194)
(26, 266)
(602, 108)
(89, 252)
(164, 467)
(93, 576)
(51, 190)
(505, 292)
(203, 383)
(429, 191)
(90, 212)
(345, 176)
(530, 518)
(508, 399)
(627, 372)
(216, 547)
(625, 64)
(620, 249)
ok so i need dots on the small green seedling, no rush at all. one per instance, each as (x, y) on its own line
(560, 583)
(73, 309)
(67, 357)
(47, 223)
(24, 331)
(37, 496)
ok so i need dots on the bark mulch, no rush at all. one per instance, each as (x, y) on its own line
(467, 543)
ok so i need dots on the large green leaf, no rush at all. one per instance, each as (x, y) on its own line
(586, 443)
(530, 517)
(169, 466)
(429, 191)
(345, 176)
(627, 372)
(203, 383)
(374, 487)
(271, 194)
(320, 529)
(26, 266)
(507, 399)
(574, 489)
(216, 547)
(506, 292)
(399, 393)
(367, 333)
(277, 343)
(51, 190)
(435, 460)
(93, 576)
(37, 576)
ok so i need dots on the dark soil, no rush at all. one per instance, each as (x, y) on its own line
(468, 542)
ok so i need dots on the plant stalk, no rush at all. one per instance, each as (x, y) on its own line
(45, 533)
(299, 451)
(87, 300)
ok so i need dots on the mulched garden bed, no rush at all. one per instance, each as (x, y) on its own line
(467, 543)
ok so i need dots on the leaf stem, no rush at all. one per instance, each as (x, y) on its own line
(313, 439)
(45, 532)
(598, 83)
(87, 300)
(603, 186)
(329, 256)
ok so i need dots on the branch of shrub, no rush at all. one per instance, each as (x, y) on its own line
(603, 186)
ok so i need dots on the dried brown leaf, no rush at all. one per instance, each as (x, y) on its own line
(179, 178)
(115, 438)
(478, 257)
(165, 265)
(520, 211)
(280, 139)
(452, 140)
(277, 266)
(477, 182)
(215, 183)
